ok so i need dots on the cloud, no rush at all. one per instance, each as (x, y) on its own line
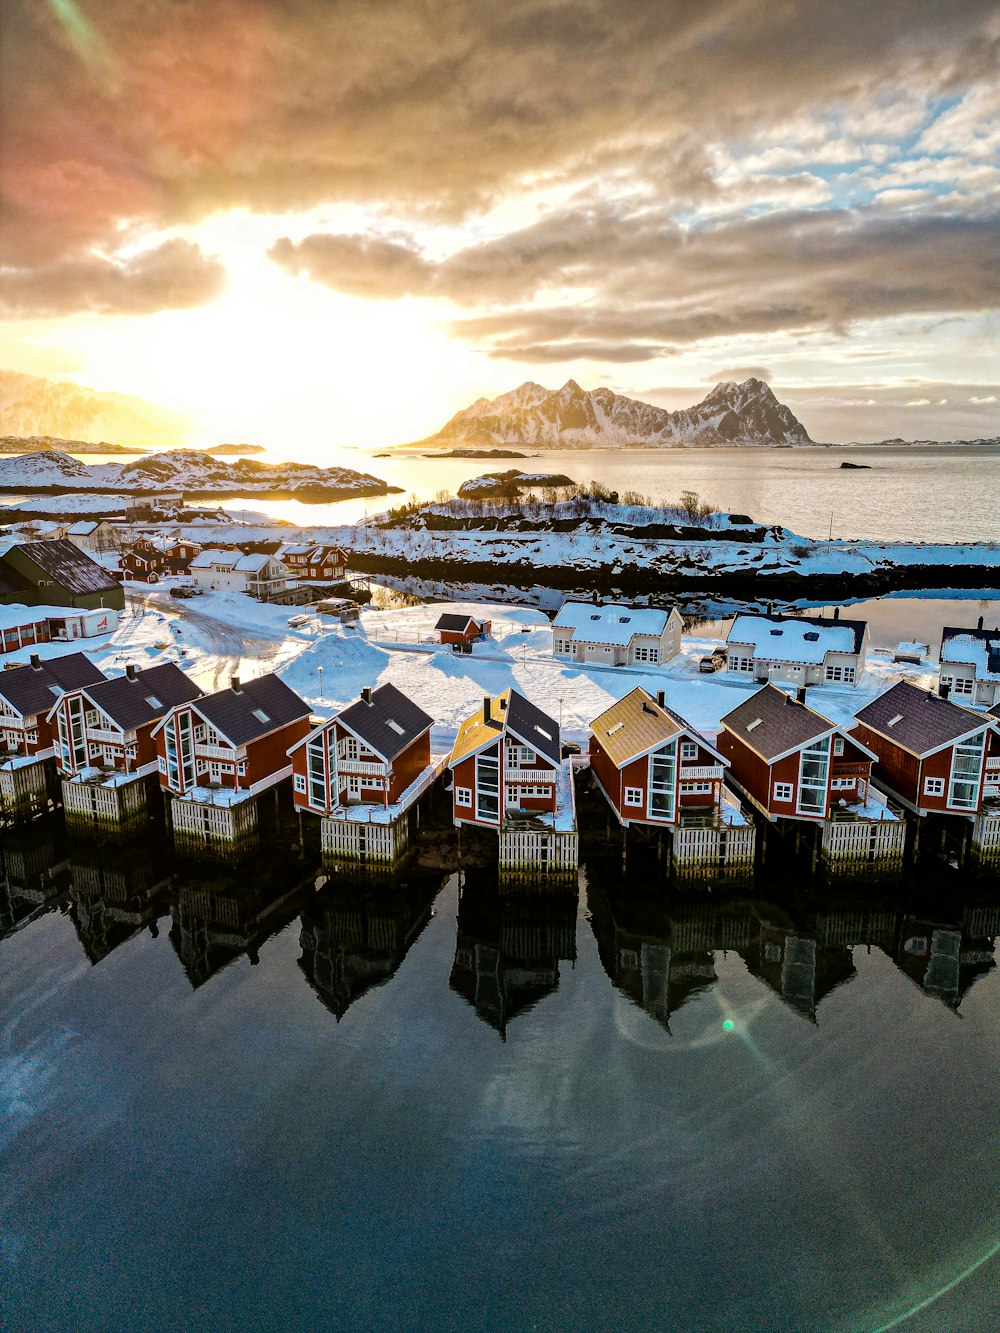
(146, 114)
(172, 276)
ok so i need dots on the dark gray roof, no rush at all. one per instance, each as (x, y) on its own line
(450, 620)
(926, 721)
(370, 722)
(995, 710)
(258, 707)
(533, 726)
(135, 702)
(773, 723)
(69, 566)
(989, 637)
(12, 581)
(33, 690)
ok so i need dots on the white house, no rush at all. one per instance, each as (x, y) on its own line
(970, 664)
(96, 535)
(798, 650)
(259, 576)
(616, 635)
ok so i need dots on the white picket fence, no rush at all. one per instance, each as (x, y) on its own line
(726, 847)
(363, 842)
(538, 851)
(90, 806)
(986, 837)
(23, 791)
(863, 842)
(210, 828)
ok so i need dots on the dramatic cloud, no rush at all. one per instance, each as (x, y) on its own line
(172, 276)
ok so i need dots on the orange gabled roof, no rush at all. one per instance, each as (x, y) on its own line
(637, 724)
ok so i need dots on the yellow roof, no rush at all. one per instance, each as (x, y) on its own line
(475, 731)
(634, 725)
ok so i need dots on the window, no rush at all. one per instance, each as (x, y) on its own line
(842, 784)
(689, 750)
(92, 717)
(783, 791)
(740, 664)
(838, 745)
(300, 783)
(933, 786)
(647, 654)
(814, 774)
(966, 772)
(488, 786)
(633, 796)
(463, 796)
(349, 748)
(959, 684)
(316, 786)
(695, 788)
(662, 782)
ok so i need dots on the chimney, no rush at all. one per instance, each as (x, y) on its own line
(979, 623)
(234, 681)
(132, 671)
(486, 708)
(770, 608)
(36, 662)
(944, 689)
(366, 695)
(800, 694)
(661, 698)
(836, 613)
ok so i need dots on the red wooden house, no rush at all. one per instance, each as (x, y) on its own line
(316, 563)
(109, 725)
(143, 561)
(506, 758)
(237, 738)
(932, 752)
(27, 695)
(790, 761)
(651, 764)
(454, 628)
(369, 753)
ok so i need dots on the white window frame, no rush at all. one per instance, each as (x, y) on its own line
(689, 750)
(783, 792)
(463, 797)
(300, 783)
(933, 786)
(633, 796)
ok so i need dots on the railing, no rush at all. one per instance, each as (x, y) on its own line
(217, 752)
(361, 768)
(848, 769)
(104, 734)
(706, 772)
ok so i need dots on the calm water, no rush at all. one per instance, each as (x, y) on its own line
(936, 494)
(254, 1105)
(893, 620)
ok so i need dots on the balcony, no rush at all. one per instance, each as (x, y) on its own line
(223, 752)
(706, 773)
(99, 734)
(360, 768)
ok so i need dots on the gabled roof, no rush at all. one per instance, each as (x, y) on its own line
(637, 724)
(612, 623)
(82, 527)
(975, 647)
(32, 690)
(135, 701)
(452, 621)
(388, 724)
(255, 709)
(919, 720)
(12, 581)
(805, 639)
(70, 567)
(773, 723)
(995, 710)
(511, 712)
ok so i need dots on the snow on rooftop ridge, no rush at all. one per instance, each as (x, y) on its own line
(791, 640)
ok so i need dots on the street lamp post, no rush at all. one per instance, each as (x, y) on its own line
(319, 671)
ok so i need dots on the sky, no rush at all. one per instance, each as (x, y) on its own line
(344, 220)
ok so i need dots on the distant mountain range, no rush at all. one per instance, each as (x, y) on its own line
(31, 405)
(573, 418)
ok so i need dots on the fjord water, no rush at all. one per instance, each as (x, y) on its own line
(440, 1109)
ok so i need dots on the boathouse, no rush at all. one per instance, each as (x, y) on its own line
(217, 753)
(797, 650)
(27, 736)
(105, 745)
(970, 664)
(796, 767)
(454, 628)
(933, 757)
(616, 635)
(509, 777)
(659, 774)
(363, 771)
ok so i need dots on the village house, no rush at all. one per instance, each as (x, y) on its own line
(96, 536)
(616, 635)
(970, 664)
(363, 770)
(935, 756)
(22, 626)
(314, 563)
(57, 573)
(218, 752)
(657, 773)
(797, 650)
(27, 736)
(509, 777)
(796, 766)
(455, 628)
(106, 746)
(260, 576)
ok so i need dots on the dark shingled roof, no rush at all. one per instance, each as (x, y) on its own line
(135, 702)
(234, 713)
(33, 690)
(370, 722)
(784, 724)
(72, 568)
(995, 710)
(452, 621)
(533, 726)
(926, 721)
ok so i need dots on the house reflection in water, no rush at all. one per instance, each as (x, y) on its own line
(114, 898)
(33, 874)
(508, 950)
(946, 959)
(354, 938)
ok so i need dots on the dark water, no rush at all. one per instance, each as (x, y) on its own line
(242, 1103)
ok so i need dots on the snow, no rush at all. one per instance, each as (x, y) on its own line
(378, 814)
(787, 641)
(610, 623)
(970, 650)
(222, 796)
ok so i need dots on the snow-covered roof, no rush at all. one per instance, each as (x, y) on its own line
(789, 639)
(976, 648)
(612, 623)
(82, 528)
(211, 557)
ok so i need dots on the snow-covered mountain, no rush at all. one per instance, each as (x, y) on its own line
(30, 405)
(571, 417)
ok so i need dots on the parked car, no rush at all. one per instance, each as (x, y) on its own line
(709, 664)
(186, 590)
